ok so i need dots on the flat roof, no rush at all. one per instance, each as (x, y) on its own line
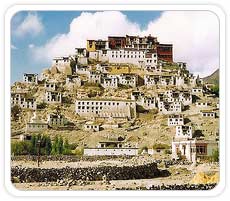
(104, 99)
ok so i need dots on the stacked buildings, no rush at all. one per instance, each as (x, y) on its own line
(119, 63)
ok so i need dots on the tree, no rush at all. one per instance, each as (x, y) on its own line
(215, 90)
(48, 146)
(60, 146)
(33, 143)
(15, 112)
(66, 147)
(55, 146)
(215, 155)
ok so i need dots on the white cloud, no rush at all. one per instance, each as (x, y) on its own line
(31, 46)
(87, 26)
(194, 34)
(31, 25)
(195, 38)
(13, 47)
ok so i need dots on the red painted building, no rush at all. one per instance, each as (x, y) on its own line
(116, 42)
(165, 52)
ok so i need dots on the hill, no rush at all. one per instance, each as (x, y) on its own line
(213, 78)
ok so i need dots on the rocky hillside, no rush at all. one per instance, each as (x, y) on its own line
(213, 78)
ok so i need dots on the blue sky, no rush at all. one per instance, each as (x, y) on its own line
(37, 37)
(54, 22)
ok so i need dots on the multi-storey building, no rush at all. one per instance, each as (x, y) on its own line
(170, 107)
(30, 78)
(53, 97)
(110, 81)
(52, 86)
(106, 108)
(73, 80)
(175, 120)
(128, 79)
(56, 120)
(23, 100)
(147, 102)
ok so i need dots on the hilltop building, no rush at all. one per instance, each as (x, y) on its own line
(30, 78)
(106, 108)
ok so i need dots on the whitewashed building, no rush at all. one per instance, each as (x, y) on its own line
(111, 148)
(30, 78)
(73, 80)
(170, 107)
(50, 86)
(202, 104)
(110, 81)
(184, 146)
(182, 96)
(147, 102)
(208, 113)
(36, 125)
(83, 70)
(183, 131)
(106, 108)
(53, 97)
(94, 77)
(175, 120)
(56, 120)
(197, 90)
(92, 126)
(128, 79)
(23, 101)
(61, 63)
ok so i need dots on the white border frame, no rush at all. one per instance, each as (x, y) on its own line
(213, 8)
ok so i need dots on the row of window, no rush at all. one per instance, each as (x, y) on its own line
(100, 103)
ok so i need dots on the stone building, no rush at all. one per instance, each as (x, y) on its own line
(184, 146)
(30, 78)
(111, 148)
(62, 64)
(73, 80)
(92, 126)
(175, 120)
(147, 102)
(53, 97)
(23, 100)
(183, 131)
(50, 86)
(197, 90)
(106, 108)
(94, 77)
(56, 120)
(128, 79)
(83, 69)
(175, 95)
(170, 107)
(202, 103)
(110, 81)
(36, 125)
(208, 113)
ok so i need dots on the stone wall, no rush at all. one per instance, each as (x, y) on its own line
(146, 171)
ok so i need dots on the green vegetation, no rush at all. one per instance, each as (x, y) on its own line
(215, 155)
(161, 146)
(215, 90)
(42, 145)
(15, 112)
